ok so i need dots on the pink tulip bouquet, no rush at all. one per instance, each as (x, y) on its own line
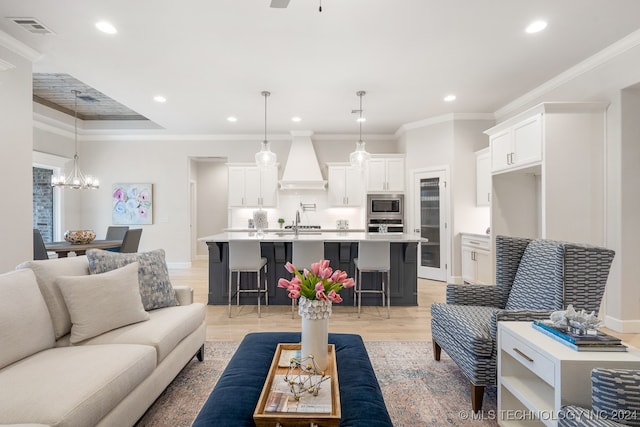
(319, 283)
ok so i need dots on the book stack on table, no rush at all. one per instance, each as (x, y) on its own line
(598, 341)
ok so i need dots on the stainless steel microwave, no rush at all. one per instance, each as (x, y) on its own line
(385, 206)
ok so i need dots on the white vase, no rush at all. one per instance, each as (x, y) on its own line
(315, 330)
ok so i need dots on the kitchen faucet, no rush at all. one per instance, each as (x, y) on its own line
(296, 223)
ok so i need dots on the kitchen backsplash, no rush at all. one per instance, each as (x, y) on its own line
(288, 202)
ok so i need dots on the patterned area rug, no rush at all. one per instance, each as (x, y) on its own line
(418, 391)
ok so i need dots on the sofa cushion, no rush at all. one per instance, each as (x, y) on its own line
(164, 330)
(469, 325)
(46, 273)
(153, 275)
(102, 302)
(72, 386)
(25, 325)
(538, 281)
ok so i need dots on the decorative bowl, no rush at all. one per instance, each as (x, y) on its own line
(79, 237)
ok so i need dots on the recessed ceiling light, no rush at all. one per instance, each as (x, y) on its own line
(106, 27)
(361, 119)
(536, 26)
(450, 98)
(159, 98)
(296, 119)
(232, 119)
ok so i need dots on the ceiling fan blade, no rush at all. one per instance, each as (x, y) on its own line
(280, 3)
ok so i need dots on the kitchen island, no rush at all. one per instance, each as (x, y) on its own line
(340, 248)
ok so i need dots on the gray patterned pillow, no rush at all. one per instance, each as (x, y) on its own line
(153, 276)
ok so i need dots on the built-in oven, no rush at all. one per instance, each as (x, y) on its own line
(385, 213)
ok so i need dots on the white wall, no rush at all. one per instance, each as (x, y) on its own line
(211, 180)
(451, 142)
(16, 140)
(166, 164)
(604, 81)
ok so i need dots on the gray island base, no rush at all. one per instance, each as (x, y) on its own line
(339, 248)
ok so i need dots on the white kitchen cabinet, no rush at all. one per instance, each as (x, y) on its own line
(250, 186)
(483, 177)
(345, 185)
(538, 375)
(517, 146)
(476, 259)
(385, 174)
(554, 187)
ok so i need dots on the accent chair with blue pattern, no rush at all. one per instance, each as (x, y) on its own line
(533, 279)
(615, 401)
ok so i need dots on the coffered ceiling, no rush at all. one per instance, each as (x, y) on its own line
(211, 59)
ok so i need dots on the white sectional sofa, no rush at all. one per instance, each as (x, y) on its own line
(62, 362)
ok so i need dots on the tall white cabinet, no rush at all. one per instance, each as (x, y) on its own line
(547, 168)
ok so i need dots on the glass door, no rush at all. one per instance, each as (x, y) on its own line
(431, 225)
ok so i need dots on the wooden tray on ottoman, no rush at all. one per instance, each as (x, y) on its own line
(264, 418)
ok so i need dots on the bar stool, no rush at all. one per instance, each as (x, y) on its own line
(305, 253)
(373, 257)
(245, 257)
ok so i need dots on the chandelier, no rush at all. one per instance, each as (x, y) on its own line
(265, 158)
(77, 180)
(359, 157)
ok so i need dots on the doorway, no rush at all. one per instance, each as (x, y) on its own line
(430, 213)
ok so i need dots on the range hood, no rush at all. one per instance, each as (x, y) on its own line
(302, 170)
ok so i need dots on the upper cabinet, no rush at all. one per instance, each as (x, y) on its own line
(548, 173)
(483, 177)
(385, 174)
(517, 146)
(346, 185)
(250, 186)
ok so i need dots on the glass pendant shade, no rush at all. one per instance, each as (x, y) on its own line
(359, 157)
(265, 158)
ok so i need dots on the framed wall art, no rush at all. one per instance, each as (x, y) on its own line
(132, 204)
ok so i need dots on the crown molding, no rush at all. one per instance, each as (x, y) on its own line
(596, 60)
(4, 65)
(18, 47)
(450, 117)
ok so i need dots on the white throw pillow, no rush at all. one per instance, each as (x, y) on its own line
(102, 302)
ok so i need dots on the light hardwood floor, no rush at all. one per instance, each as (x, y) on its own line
(405, 324)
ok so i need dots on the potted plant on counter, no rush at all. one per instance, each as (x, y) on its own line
(281, 222)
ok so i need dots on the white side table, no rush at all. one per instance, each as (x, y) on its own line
(537, 375)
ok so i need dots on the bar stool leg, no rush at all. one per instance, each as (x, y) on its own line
(388, 293)
(230, 280)
(258, 291)
(238, 288)
(359, 291)
(266, 286)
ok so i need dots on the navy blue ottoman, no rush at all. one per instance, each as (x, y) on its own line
(234, 398)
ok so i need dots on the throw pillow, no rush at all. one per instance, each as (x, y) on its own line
(102, 302)
(153, 275)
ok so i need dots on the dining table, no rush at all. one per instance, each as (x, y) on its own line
(63, 248)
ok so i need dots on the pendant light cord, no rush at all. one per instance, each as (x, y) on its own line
(75, 122)
(265, 94)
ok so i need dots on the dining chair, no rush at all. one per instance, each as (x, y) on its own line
(116, 232)
(131, 240)
(373, 257)
(245, 257)
(305, 253)
(39, 249)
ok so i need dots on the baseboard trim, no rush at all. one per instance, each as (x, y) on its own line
(622, 326)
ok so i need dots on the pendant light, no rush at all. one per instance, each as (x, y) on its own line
(359, 157)
(77, 181)
(265, 158)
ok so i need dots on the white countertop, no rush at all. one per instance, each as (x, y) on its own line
(325, 236)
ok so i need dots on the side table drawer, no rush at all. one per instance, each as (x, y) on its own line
(535, 361)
